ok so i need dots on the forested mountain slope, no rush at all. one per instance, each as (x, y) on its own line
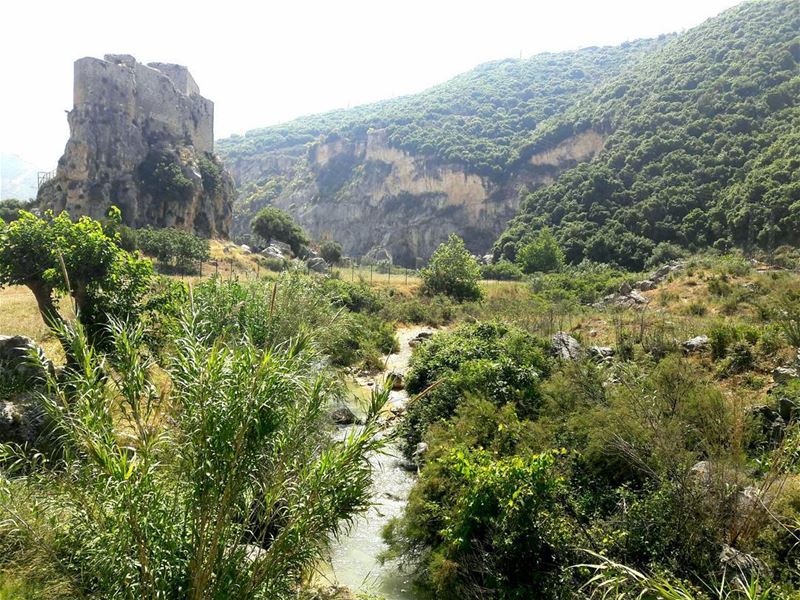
(690, 140)
(413, 169)
(703, 147)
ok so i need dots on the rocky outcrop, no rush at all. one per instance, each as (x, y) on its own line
(142, 139)
(565, 347)
(375, 198)
(22, 378)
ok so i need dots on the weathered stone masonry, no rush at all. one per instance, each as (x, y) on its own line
(142, 139)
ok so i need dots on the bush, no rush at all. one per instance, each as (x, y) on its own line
(697, 309)
(151, 507)
(489, 523)
(161, 176)
(739, 359)
(502, 270)
(720, 337)
(452, 271)
(542, 255)
(330, 251)
(176, 249)
(268, 313)
(663, 253)
(490, 360)
(273, 223)
(356, 297)
(211, 174)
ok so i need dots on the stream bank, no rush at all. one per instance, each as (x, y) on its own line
(354, 557)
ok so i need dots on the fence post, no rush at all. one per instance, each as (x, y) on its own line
(370, 274)
(406, 275)
(201, 268)
(389, 278)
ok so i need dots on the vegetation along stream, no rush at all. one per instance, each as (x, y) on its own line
(355, 557)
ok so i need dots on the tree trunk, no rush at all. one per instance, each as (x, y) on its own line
(44, 300)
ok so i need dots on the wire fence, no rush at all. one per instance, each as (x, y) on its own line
(368, 272)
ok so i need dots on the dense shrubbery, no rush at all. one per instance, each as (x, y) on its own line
(502, 364)
(625, 488)
(452, 271)
(10, 209)
(175, 249)
(162, 176)
(502, 270)
(233, 496)
(701, 148)
(267, 311)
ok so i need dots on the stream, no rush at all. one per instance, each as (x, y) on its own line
(354, 559)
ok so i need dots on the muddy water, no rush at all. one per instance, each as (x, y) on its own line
(355, 557)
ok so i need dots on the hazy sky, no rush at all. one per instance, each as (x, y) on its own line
(267, 62)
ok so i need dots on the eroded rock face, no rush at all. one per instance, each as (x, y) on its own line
(376, 199)
(142, 139)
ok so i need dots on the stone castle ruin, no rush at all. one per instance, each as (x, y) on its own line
(141, 139)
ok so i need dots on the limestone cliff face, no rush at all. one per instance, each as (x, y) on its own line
(142, 139)
(379, 200)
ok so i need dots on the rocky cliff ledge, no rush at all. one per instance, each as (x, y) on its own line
(381, 201)
(142, 139)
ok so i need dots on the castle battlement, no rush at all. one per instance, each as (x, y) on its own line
(163, 93)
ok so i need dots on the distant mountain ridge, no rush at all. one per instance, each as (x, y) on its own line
(17, 178)
(409, 171)
(687, 140)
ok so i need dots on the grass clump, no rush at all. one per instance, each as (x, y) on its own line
(225, 486)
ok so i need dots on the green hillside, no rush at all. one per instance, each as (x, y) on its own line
(482, 119)
(704, 147)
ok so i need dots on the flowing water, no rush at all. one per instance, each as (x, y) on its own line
(355, 557)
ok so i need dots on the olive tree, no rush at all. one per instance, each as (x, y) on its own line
(273, 223)
(53, 255)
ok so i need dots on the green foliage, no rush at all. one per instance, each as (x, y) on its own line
(452, 271)
(504, 527)
(331, 251)
(490, 360)
(269, 312)
(162, 176)
(664, 253)
(176, 249)
(10, 208)
(700, 148)
(502, 270)
(142, 506)
(789, 319)
(585, 283)
(273, 223)
(355, 297)
(52, 255)
(211, 174)
(740, 358)
(542, 254)
(481, 119)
